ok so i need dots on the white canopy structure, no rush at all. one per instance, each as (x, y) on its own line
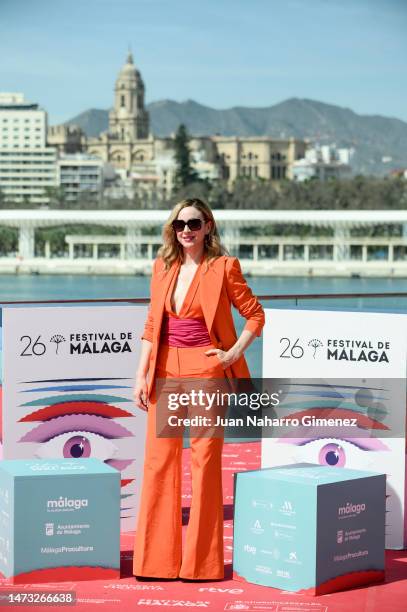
(229, 221)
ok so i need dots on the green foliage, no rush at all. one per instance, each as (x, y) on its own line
(253, 194)
(358, 193)
(185, 174)
(197, 189)
(8, 240)
(56, 197)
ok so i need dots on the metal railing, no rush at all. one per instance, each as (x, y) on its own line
(268, 297)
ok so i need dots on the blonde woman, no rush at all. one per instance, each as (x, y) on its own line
(189, 332)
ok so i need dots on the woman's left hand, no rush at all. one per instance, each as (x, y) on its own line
(226, 358)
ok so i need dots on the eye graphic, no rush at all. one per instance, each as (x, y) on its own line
(78, 445)
(79, 422)
(78, 436)
(334, 452)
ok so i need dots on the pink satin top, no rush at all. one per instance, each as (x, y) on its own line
(188, 328)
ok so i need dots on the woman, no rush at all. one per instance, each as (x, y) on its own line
(189, 332)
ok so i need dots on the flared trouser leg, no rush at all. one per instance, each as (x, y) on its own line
(158, 541)
(203, 551)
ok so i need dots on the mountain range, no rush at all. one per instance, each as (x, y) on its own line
(380, 143)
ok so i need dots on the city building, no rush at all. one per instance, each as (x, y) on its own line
(27, 164)
(205, 169)
(148, 161)
(66, 138)
(323, 163)
(261, 157)
(128, 140)
(399, 173)
(23, 125)
(79, 173)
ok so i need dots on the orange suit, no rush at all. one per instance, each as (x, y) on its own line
(158, 543)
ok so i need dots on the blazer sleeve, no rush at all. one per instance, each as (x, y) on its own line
(149, 324)
(242, 297)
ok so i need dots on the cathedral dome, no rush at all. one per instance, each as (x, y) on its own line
(129, 68)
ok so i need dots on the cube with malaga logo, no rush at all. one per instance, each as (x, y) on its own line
(309, 528)
(59, 520)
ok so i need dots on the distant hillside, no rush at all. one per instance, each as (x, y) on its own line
(374, 137)
(93, 121)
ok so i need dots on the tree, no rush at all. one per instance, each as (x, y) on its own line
(55, 196)
(219, 196)
(184, 174)
(253, 194)
(8, 240)
(196, 189)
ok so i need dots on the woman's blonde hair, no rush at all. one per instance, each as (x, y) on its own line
(172, 250)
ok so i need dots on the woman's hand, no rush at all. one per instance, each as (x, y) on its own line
(226, 358)
(140, 393)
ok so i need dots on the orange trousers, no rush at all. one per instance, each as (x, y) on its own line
(158, 542)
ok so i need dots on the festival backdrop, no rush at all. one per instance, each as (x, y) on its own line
(67, 388)
(342, 364)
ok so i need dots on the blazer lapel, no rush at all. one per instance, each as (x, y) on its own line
(210, 286)
(163, 282)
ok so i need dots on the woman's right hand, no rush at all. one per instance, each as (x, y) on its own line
(140, 393)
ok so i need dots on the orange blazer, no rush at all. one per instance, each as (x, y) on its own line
(221, 285)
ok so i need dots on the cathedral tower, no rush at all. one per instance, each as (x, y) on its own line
(129, 120)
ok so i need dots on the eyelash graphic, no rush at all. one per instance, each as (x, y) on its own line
(75, 397)
(76, 388)
(338, 401)
(82, 407)
(362, 443)
(76, 422)
(333, 405)
(335, 394)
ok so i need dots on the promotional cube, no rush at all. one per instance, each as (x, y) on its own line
(312, 529)
(59, 520)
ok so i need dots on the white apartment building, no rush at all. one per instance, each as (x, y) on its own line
(27, 165)
(323, 162)
(80, 173)
(22, 125)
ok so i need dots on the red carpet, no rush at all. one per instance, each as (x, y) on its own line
(128, 594)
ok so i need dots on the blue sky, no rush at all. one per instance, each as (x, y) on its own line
(65, 54)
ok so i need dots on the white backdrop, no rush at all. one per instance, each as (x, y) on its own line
(350, 361)
(67, 383)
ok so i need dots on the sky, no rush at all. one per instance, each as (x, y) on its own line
(65, 54)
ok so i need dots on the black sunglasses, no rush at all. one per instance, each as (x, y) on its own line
(193, 224)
